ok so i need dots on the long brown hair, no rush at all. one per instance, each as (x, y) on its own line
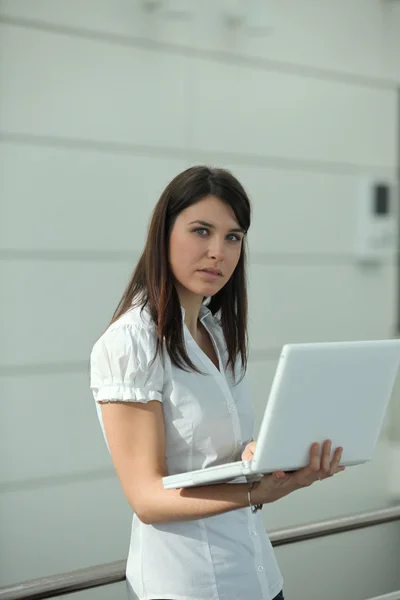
(152, 279)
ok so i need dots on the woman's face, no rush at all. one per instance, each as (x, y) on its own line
(205, 246)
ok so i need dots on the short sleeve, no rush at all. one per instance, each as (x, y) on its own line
(122, 367)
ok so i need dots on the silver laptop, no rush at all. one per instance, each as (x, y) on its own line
(331, 390)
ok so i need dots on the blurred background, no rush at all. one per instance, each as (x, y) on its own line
(102, 102)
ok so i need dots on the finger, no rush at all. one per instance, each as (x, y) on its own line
(315, 460)
(248, 452)
(326, 458)
(251, 446)
(337, 457)
(309, 472)
(246, 455)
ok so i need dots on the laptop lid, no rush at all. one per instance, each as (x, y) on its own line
(331, 390)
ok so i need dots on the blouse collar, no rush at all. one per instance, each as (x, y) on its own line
(203, 313)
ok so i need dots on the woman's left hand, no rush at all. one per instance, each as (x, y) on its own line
(321, 464)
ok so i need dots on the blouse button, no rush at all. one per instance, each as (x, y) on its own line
(260, 569)
(232, 408)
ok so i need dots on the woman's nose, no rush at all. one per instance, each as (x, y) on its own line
(216, 249)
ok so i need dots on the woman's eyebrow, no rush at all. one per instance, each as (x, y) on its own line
(211, 226)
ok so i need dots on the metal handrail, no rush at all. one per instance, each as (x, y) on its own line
(391, 596)
(301, 533)
(82, 579)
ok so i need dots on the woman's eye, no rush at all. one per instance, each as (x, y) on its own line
(236, 238)
(202, 231)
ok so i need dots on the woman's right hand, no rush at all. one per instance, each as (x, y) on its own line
(279, 484)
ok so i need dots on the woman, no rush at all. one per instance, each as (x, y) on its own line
(169, 380)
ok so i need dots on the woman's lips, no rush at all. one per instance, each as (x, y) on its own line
(210, 275)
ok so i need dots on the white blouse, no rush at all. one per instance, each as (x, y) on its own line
(208, 421)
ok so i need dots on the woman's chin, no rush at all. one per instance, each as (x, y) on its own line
(210, 289)
(204, 290)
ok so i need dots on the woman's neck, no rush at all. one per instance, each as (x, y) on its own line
(191, 305)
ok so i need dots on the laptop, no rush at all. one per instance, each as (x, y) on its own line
(328, 390)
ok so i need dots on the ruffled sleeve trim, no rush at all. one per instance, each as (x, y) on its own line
(115, 393)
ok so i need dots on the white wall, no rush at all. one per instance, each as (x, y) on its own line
(100, 105)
